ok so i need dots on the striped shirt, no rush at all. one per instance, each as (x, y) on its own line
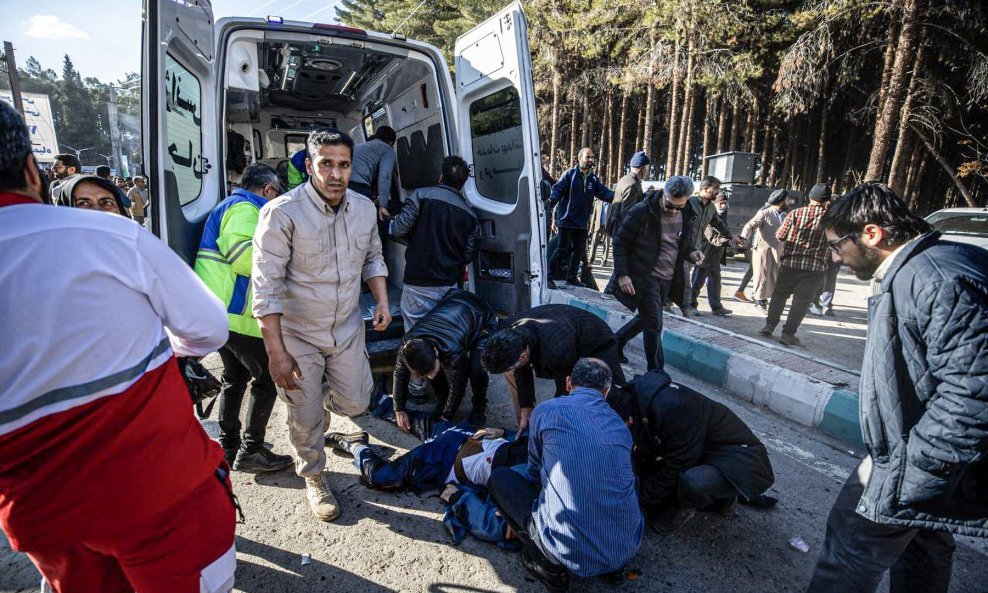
(587, 514)
(805, 244)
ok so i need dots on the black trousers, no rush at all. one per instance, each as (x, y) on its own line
(857, 552)
(828, 286)
(515, 495)
(703, 485)
(571, 249)
(244, 357)
(648, 320)
(478, 383)
(802, 286)
(747, 278)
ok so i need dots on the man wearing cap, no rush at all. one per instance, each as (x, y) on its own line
(627, 193)
(802, 265)
(628, 190)
(574, 193)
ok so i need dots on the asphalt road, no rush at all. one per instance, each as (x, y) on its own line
(386, 542)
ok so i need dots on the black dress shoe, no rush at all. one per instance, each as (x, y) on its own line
(260, 461)
(345, 442)
(671, 520)
(554, 577)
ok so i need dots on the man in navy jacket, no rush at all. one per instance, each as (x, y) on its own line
(923, 398)
(573, 198)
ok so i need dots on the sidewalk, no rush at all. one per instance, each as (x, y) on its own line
(815, 385)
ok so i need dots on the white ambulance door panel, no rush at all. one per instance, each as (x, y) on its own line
(181, 135)
(497, 133)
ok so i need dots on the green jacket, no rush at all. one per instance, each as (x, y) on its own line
(223, 262)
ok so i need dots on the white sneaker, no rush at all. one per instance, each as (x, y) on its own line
(816, 310)
(321, 499)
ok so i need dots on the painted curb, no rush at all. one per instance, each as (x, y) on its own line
(798, 397)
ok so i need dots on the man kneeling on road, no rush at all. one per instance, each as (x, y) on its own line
(575, 510)
(546, 342)
(445, 347)
(690, 452)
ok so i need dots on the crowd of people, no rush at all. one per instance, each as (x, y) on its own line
(148, 503)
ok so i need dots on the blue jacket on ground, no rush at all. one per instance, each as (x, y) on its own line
(574, 194)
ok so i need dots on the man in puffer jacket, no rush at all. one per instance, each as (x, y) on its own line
(573, 197)
(924, 401)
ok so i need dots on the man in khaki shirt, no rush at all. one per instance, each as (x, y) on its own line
(312, 246)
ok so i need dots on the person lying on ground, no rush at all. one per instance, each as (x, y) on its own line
(449, 453)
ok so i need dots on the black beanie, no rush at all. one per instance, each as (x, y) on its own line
(820, 192)
(777, 197)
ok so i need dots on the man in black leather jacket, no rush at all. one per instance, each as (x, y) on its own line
(445, 348)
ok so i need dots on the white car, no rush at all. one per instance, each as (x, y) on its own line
(964, 225)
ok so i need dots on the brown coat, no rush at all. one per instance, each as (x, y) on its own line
(765, 253)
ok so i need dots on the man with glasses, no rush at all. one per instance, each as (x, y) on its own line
(923, 398)
(650, 249)
(224, 265)
(802, 265)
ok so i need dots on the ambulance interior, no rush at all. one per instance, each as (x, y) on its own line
(279, 86)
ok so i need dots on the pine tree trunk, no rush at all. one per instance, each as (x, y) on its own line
(722, 125)
(766, 146)
(673, 111)
(774, 158)
(905, 141)
(606, 139)
(821, 152)
(916, 179)
(735, 116)
(639, 127)
(939, 158)
(557, 83)
(787, 160)
(684, 122)
(888, 61)
(585, 120)
(686, 157)
(623, 123)
(898, 83)
(752, 133)
(708, 132)
(649, 117)
(574, 107)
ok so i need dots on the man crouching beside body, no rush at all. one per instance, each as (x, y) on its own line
(311, 249)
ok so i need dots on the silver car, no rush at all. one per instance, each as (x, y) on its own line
(964, 225)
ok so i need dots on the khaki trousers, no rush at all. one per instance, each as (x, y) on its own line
(333, 380)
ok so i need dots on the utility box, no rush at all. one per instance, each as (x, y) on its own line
(732, 167)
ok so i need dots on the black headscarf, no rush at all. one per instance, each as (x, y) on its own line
(68, 188)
